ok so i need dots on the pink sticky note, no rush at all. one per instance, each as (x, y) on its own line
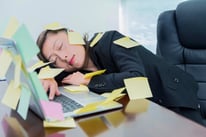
(52, 110)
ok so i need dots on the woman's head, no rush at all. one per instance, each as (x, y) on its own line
(55, 47)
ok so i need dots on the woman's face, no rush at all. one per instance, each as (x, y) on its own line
(58, 50)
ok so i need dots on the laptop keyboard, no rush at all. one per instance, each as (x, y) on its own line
(68, 104)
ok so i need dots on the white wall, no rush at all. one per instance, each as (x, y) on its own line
(80, 15)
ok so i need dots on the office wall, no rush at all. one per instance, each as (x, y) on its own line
(81, 15)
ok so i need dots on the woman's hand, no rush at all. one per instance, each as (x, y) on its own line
(76, 78)
(51, 86)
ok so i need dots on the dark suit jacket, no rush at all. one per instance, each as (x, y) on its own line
(171, 87)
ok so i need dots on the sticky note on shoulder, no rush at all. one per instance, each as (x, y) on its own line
(138, 88)
(96, 39)
(126, 42)
(90, 75)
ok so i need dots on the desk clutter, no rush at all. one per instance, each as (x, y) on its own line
(18, 94)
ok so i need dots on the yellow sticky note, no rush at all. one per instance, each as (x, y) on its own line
(88, 108)
(11, 27)
(138, 87)
(11, 96)
(38, 65)
(126, 42)
(75, 88)
(117, 98)
(137, 106)
(115, 94)
(47, 72)
(5, 61)
(96, 39)
(67, 123)
(53, 26)
(75, 38)
(99, 72)
(17, 70)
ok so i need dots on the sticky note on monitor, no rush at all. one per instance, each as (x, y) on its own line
(11, 27)
(11, 96)
(138, 88)
(25, 44)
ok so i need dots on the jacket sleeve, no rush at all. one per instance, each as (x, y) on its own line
(120, 63)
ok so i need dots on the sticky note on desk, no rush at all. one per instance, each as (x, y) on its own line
(67, 123)
(47, 72)
(91, 74)
(126, 42)
(75, 38)
(25, 44)
(5, 61)
(138, 88)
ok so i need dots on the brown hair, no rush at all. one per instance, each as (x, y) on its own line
(42, 38)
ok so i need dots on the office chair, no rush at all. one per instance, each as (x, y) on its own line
(181, 40)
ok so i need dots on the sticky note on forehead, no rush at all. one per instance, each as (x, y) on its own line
(75, 38)
(126, 42)
(53, 26)
(138, 88)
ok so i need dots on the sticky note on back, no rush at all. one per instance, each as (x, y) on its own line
(25, 44)
(138, 88)
(39, 90)
(126, 42)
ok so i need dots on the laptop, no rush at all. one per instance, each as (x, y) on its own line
(70, 100)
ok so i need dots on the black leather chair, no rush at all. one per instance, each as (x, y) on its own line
(181, 40)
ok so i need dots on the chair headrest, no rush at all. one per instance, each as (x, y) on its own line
(191, 23)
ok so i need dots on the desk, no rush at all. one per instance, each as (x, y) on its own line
(144, 119)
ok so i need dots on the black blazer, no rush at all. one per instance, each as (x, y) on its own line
(171, 87)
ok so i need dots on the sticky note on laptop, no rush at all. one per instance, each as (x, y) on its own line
(25, 44)
(126, 42)
(5, 61)
(138, 88)
(11, 27)
(91, 74)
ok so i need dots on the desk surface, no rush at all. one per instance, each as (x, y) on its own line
(141, 118)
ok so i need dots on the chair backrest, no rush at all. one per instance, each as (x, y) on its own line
(181, 40)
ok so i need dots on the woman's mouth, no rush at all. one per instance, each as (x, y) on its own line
(71, 61)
